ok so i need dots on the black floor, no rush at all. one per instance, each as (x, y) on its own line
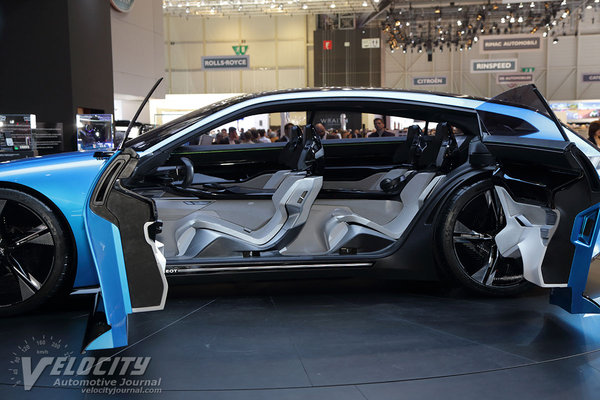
(340, 339)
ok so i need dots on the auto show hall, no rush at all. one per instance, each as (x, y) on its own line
(321, 199)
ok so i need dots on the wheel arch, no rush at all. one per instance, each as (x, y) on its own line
(60, 215)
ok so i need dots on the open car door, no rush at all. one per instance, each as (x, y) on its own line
(549, 191)
(121, 228)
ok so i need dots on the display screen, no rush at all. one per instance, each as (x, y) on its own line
(95, 132)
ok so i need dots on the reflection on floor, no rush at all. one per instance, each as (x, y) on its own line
(338, 339)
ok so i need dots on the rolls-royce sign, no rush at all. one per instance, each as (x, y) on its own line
(226, 62)
(480, 66)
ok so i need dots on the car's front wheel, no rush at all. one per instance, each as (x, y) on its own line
(466, 234)
(35, 260)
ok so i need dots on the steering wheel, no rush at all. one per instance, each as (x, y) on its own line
(188, 177)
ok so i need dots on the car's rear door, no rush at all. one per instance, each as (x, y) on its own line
(121, 227)
(540, 166)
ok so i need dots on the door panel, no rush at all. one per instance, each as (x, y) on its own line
(121, 227)
(549, 173)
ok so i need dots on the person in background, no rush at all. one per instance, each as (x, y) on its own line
(287, 133)
(380, 130)
(321, 131)
(262, 138)
(246, 138)
(255, 135)
(594, 133)
(233, 136)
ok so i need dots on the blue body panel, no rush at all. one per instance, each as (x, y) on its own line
(65, 179)
(584, 236)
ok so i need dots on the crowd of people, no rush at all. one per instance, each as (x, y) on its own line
(253, 135)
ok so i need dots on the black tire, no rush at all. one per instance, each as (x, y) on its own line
(35, 255)
(466, 229)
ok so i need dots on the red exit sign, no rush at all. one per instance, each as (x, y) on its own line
(327, 44)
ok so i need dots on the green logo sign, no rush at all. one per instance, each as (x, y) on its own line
(528, 69)
(240, 50)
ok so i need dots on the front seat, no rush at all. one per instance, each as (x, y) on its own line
(291, 203)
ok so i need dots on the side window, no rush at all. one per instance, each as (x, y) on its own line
(255, 129)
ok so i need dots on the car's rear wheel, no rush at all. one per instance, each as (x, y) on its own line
(466, 233)
(34, 253)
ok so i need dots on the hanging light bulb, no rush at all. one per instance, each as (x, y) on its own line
(532, 4)
(520, 5)
(520, 19)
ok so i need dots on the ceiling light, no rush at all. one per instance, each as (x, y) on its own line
(364, 4)
(459, 9)
(555, 41)
(520, 5)
(459, 22)
(332, 5)
(508, 5)
(589, 7)
(512, 20)
(475, 39)
(564, 3)
(503, 20)
(520, 19)
(273, 5)
(532, 4)
(187, 10)
(376, 1)
(304, 6)
(437, 10)
(545, 34)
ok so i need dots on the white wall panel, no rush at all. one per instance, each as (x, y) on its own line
(223, 82)
(186, 56)
(219, 29)
(182, 29)
(258, 28)
(188, 82)
(258, 80)
(262, 54)
(291, 53)
(292, 78)
(291, 27)
(277, 47)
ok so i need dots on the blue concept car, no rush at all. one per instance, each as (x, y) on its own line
(493, 194)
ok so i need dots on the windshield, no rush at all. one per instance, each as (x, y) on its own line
(156, 135)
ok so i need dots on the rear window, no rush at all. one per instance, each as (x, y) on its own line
(504, 125)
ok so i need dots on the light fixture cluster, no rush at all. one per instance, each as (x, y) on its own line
(460, 27)
(221, 8)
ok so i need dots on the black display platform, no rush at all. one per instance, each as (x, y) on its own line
(336, 339)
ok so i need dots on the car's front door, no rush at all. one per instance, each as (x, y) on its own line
(121, 227)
